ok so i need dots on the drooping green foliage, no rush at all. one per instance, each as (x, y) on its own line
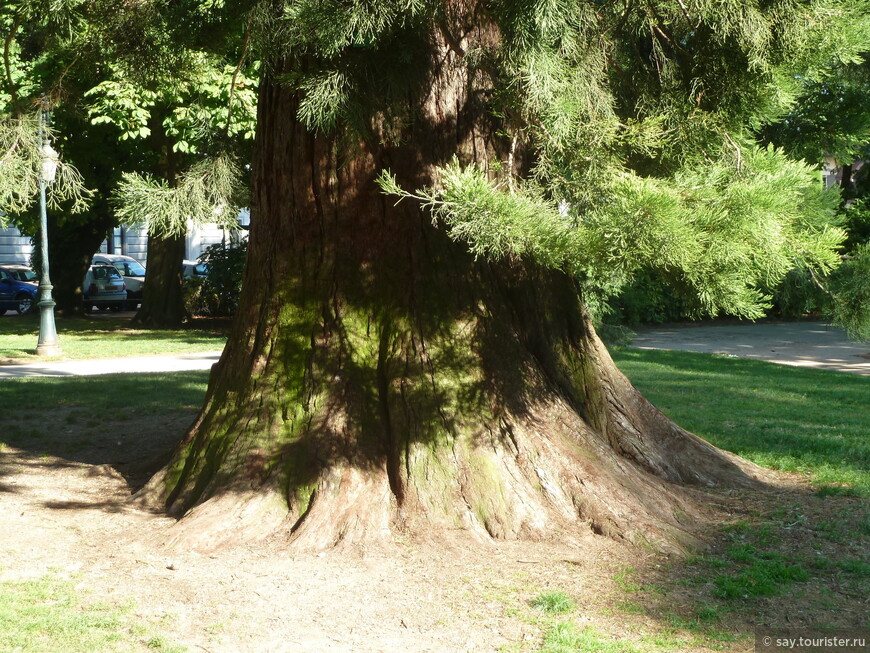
(208, 191)
(641, 122)
(21, 143)
(171, 81)
(718, 232)
(22, 97)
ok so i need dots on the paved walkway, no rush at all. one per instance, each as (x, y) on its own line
(132, 364)
(804, 344)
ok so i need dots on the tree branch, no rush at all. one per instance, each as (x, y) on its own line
(686, 14)
(664, 34)
(624, 17)
(737, 150)
(245, 43)
(7, 44)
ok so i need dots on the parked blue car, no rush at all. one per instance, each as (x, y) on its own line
(18, 288)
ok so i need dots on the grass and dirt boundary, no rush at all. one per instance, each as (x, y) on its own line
(86, 571)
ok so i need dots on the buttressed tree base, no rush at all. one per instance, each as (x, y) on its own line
(388, 377)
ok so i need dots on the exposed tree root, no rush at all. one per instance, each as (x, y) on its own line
(537, 471)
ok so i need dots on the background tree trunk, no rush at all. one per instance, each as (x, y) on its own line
(846, 181)
(71, 248)
(162, 300)
(379, 380)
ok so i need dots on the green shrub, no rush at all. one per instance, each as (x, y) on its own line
(850, 284)
(648, 299)
(217, 293)
(799, 295)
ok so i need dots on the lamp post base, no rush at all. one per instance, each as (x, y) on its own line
(48, 350)
(47, 344)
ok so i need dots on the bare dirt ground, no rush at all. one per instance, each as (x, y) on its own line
(66, 511)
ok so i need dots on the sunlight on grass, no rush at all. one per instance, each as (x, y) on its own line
(786, 418)
(49, 614)
(110, 393)
(102, 338)
(554, 602)
(566, 638)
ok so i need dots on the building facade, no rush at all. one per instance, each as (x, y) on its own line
(129, 240)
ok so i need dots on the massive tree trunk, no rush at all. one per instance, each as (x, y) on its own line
(379, 380)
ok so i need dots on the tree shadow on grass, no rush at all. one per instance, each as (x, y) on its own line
(784, 560)
(125, 421)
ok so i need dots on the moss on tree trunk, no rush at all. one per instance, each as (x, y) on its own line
(379, 380)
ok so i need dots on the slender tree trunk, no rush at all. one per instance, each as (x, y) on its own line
(162, 298)
(379, 380)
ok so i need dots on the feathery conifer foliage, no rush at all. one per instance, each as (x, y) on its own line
(379, 379)
(20, 165)
(641, 120)
(206, 192)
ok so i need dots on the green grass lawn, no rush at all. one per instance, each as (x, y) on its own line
(102, 337)
(787, 418)
(122, 396)
(51, 614)
(811, 421)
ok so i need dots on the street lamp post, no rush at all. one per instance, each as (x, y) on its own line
(47, 344)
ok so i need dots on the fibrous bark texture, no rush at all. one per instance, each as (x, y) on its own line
(380, 381)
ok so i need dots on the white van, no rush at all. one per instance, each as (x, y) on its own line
(132, 271)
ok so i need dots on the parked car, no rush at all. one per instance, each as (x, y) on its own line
(18, 288)
(132, 271)
(104, 287)
(191, 269)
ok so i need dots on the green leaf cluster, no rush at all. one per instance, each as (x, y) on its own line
(191, 109)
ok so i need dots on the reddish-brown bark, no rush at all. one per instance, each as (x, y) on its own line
(379, 380)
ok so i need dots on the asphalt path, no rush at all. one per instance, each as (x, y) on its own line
(804, 344)
(128, 365)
